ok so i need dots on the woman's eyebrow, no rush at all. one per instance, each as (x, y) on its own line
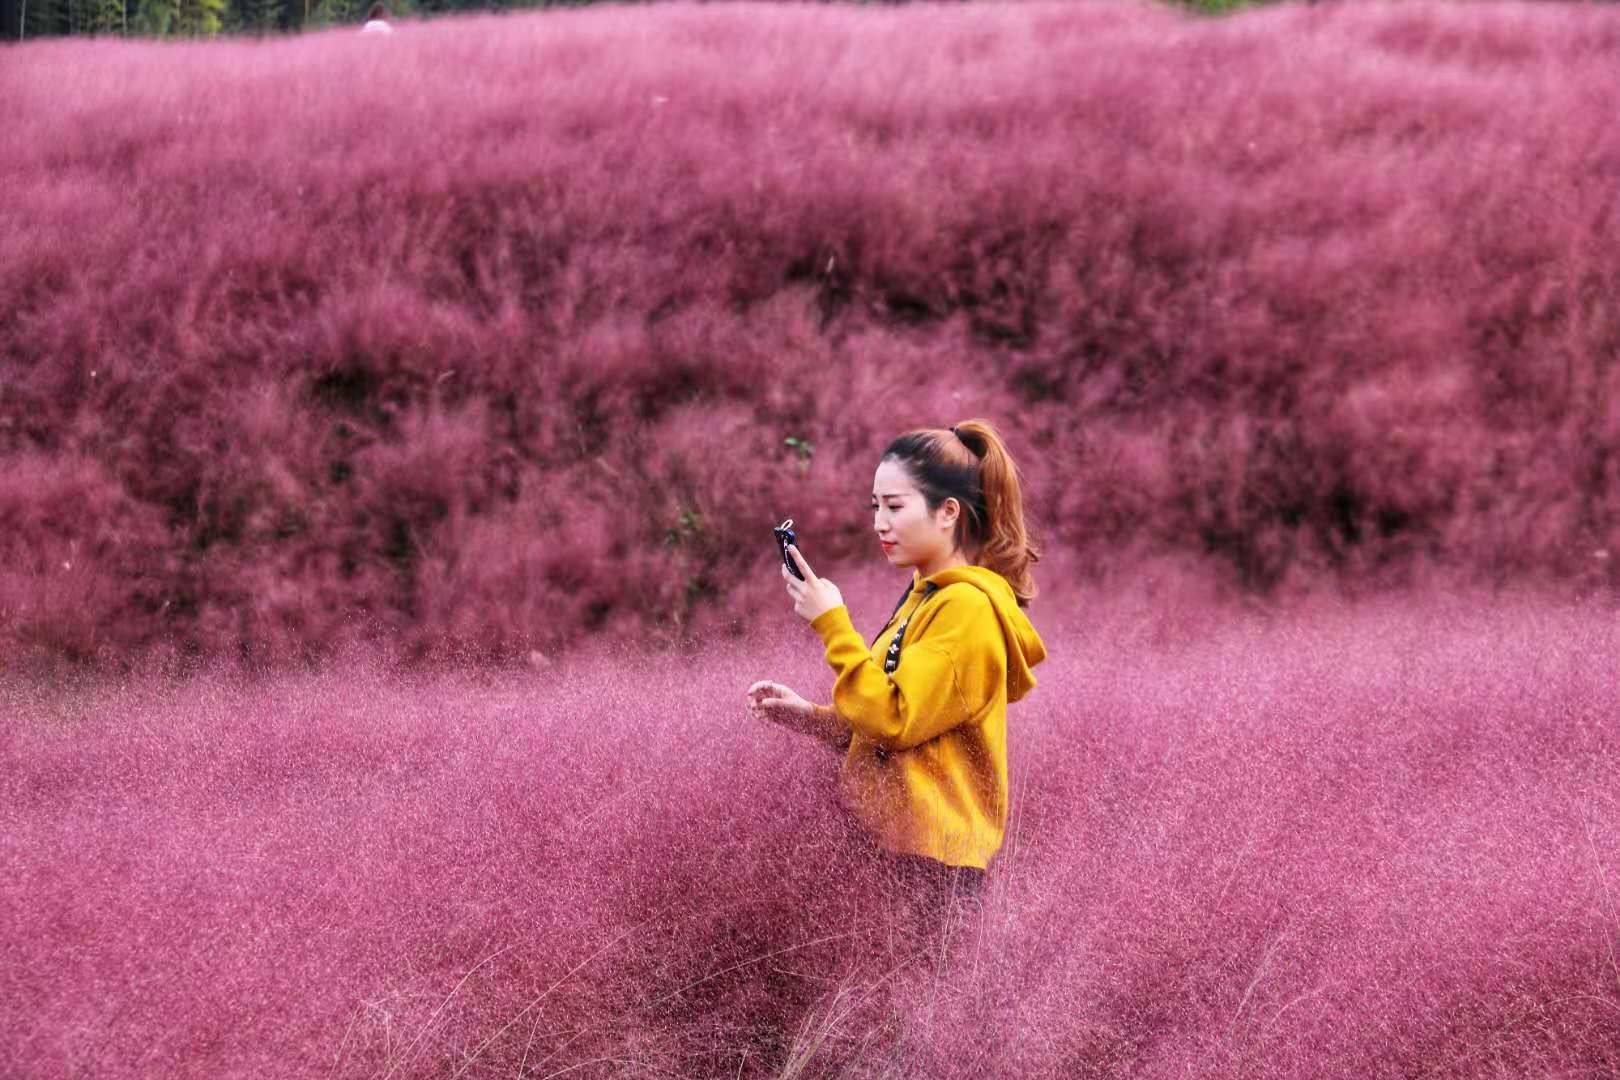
(892, 495)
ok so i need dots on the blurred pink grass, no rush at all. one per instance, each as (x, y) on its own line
(1373, 840)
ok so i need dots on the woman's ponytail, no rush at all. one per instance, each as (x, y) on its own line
(1004, 545)
(970, 463)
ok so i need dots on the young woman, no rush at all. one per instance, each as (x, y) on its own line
(922, 711)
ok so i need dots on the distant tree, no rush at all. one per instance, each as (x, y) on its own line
(199, 18)
(319, 13)
(156, 17)
(1220, 7)
(47, 18)
(256, 16)
(109, 17)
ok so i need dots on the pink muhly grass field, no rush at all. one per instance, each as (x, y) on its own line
(483, 342)
(1375, 841)
(492, 333)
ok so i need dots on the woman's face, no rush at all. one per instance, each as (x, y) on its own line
(910, 535)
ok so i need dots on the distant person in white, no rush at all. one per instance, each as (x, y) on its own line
(377, 21)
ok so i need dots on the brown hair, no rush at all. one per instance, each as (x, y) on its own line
(970, 463)
(379, 10)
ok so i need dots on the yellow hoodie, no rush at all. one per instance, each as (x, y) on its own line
(926, 770)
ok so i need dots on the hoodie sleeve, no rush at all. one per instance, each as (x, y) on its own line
(945, 677)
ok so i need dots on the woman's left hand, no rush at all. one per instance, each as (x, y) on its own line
(813, 596)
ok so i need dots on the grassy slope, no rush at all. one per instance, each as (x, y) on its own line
(491, 333)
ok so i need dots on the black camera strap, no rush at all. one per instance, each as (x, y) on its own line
(892, 660)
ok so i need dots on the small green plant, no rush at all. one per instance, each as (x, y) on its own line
(803, 448)
(689, 526)
(1217, 7)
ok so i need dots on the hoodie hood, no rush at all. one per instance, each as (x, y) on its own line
(1024, 646)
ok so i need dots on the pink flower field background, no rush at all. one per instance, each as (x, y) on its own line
(494, 332)
(389, 433)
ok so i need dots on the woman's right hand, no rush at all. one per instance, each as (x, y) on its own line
(774, 702)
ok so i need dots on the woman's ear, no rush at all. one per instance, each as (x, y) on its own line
(949, 511)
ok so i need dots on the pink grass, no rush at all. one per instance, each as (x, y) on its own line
(491, 334)
(484, 344)
(1347, 844)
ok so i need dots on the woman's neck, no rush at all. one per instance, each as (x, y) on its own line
(943, 562)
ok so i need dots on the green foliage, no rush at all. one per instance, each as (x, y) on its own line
(164, 18)
(688, 528)
(1218, 7)
(257, 16)
(804, 448)
(205, 18)
(109, 17)
(47, 18)
(326, 13)
(155, 17)
(199, 18)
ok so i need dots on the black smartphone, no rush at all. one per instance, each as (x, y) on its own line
(785, 536)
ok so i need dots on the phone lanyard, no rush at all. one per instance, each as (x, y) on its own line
(892, 661)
